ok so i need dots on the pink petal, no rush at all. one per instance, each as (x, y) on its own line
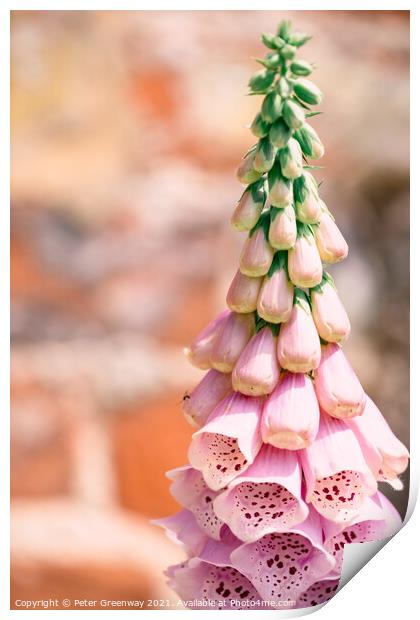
(386, 454)
(229, 441)
(256, 255)
(231, 340)
(190, 490)
(275, 301)
(182, 528)
(205, 396)
(329, 315)
(257, 370)
(336, 384)
(243, 293)
(304, 263)
(299, 348)
(247, 212)
(283, 565)
(291, 413)
(336, 473)
(222, 587)
(265, 498)
(319, 592)
(331, 244)
(282, 233)
(200, 350)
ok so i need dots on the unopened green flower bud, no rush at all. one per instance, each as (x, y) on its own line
(280, 134)
(285, 29)
(264, 156)
(288, 51)
(269, 40)
(293, 114)
(298, 38)
(271, 61)
(271, 107)
(309, 142)
(259, 127)
(301, 67)
(291, 160)
(307, 91)
(246, 172)
(280, 189)
(261, 80)
(284, 88)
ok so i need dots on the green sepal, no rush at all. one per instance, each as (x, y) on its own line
(304, 140)
(264, 223)
(298, 39)
(271, 107)
(279, 42)
(301, 67)
(280, 133)
(275, 175)
(326, 279)
(271, 61)
(310, 167)
(250, 150)
(301, 298)
(257, 190)
(274, 211)
(300, 189)
(259, 127)
(285, 29)
(279, 262)
(261, 80)
(304, 230)
(307, 91)
(268, 153)
(261, 323)
(309, 114)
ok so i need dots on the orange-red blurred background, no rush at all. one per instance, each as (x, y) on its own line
(126, 130)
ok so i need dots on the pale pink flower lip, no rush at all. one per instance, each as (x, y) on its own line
(230, 340)
(197, 581)
(283, 232)
(299, 347)
(182, 528)
(200, 350)
(204, 397)
(304, 262)
(286, 563)
(386, 454)
(319, 592)
(336, 473)
(190, 490)
(257, 254)
(291, 413)
(336, 384)
(328, 312)
(265, 498)
(243, 293)
(275, 300)
(229, 441)
(257, 371)
(331, 244)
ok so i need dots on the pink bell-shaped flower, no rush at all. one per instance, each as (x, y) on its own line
(332, 246)
(231, 340)
(285, 563)
(200, 350)
(275, 300)
(246, 172)
(257, 370)
(229, 441)
(290, 416)
(249, 207)
(243, 293)
(328, 312)
(307, 203)
(386, 454)
(257, 253)
(304, 263)
(299, 348)
(336, 473)
(198, 405)
(265, 498)
(282, 233)
(337, 387)
(183, 529)
(280, 192)
(190, 490)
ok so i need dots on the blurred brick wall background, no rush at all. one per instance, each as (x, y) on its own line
(126, 131)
